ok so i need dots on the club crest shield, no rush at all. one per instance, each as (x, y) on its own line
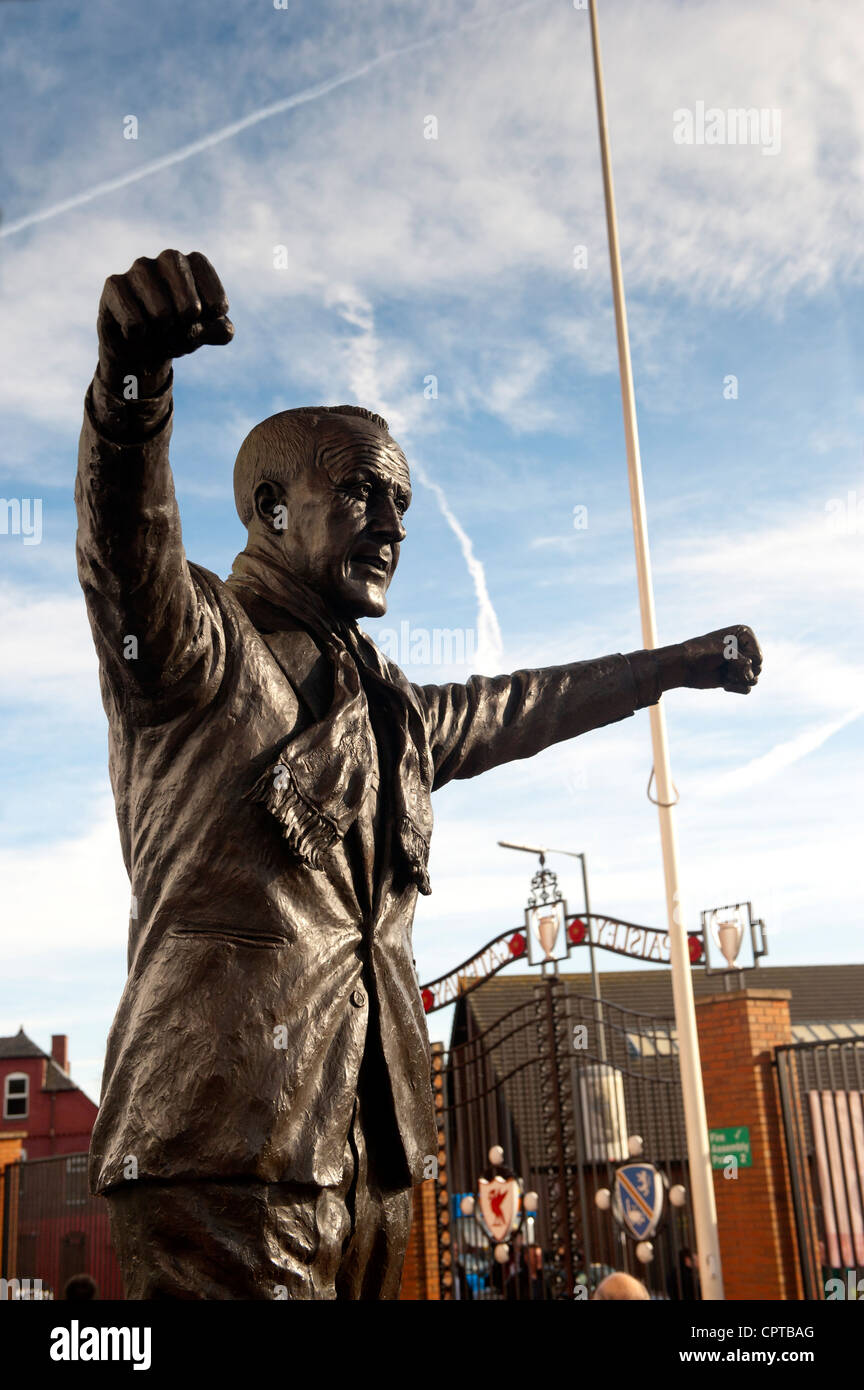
(638, 1195)
(499, 1201)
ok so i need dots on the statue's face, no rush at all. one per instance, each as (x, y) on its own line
(344, 517)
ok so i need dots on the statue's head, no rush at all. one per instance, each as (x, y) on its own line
(324, 490)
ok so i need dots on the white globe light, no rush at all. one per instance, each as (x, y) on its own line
(635, 1145)
(496, 1155)
(603, 1198)
(531, 1202)
(677, 1195)
(466, 1206)
(645, 1252)
(502, 1253)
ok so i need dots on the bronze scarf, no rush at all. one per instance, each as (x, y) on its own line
(322, 776)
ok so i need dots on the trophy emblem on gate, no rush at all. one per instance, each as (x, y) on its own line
(728, 936)
(547, 926)
(728, 929)
(546, 929)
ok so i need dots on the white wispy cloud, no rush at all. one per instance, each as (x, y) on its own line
(363, 356)
(69, 895)
(490, 644)
(48, 655)
(486, 215)
(779, 758)
(264, 113)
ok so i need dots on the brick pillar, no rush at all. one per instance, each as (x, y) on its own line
(420, 1281)
(738, 1032)
(427, 1274)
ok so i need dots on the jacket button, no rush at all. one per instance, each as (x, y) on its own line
(358, 998)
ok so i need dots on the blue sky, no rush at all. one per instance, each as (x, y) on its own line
(409, 257)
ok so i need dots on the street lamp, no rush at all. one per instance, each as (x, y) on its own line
(595, 978)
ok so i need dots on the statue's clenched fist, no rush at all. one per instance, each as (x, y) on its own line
(728, 659)
(160, 309)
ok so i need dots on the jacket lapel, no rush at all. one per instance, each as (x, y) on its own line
(304, 666)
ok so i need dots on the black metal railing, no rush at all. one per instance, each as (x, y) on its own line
(821, 1088)
(53, 1230)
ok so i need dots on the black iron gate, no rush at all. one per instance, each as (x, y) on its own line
(822, 1099)
(561, 1082)
(53, 1229)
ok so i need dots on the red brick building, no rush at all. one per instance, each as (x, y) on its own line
(41, 1103)
(56, 1230)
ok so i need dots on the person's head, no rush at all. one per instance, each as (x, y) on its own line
(80, 1288)
(323, 490)
(619, 1287)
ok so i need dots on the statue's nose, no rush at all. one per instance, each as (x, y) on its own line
(387, 520)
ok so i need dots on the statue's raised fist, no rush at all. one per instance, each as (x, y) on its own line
(158, 310)
(728, 659)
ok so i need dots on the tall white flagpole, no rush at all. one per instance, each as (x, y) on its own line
(701, 1178)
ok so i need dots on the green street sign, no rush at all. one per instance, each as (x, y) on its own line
(730, 1143)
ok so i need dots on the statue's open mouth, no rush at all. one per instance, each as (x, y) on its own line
(373, 562)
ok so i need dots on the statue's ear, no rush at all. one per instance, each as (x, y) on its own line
(265, 499)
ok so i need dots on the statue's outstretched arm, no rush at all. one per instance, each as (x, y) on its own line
(493, 720)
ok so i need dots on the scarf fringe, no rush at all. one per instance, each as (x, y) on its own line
(309, 832)
(415, 847)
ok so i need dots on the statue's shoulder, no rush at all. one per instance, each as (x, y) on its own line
(206, 577)
(221, 599)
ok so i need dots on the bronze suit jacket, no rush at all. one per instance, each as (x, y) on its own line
(236, 1047)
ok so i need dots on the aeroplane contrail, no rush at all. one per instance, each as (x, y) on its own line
(781, 757)
(489, 640)
(364, 382)
(276, 108)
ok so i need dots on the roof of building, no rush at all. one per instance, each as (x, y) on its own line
(19, 1047)
(821, 994)
(56, 1078)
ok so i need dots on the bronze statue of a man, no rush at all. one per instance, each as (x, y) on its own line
(266, 1103)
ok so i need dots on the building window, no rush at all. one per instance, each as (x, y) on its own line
(77, 1191)
(15, 1096)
